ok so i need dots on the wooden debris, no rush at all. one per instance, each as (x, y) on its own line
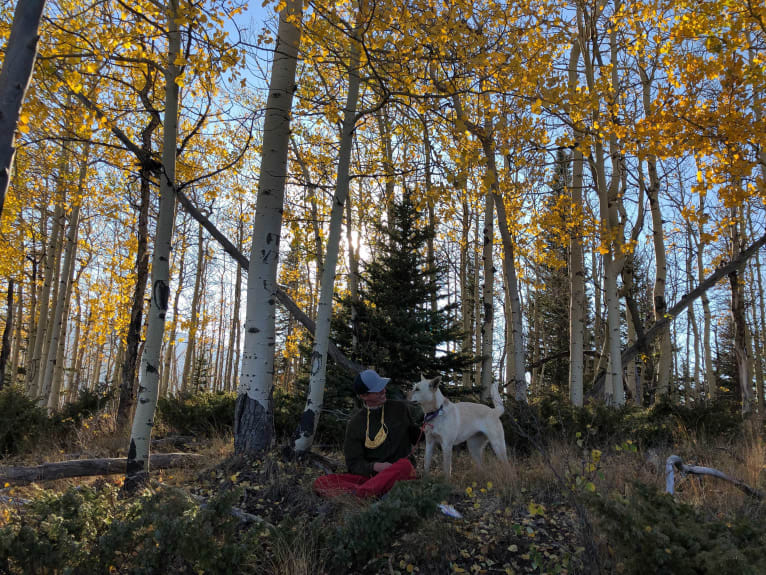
(90, 467)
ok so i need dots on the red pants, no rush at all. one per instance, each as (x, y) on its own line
(361, 486)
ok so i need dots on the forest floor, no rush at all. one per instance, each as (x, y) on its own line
(496, 532)
(524, 518)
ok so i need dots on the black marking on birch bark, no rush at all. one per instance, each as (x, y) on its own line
(253, 330)
(150, 368)
(161, 294)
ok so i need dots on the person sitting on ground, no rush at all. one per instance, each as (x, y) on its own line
(378, 443)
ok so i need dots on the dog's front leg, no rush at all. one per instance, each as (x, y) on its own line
(447, 459)
(429, 453)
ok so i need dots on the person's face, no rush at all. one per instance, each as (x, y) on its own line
(373, 400)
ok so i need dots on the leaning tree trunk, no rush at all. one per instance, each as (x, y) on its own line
(310, 417)
(19, 61)
(253, 419)
(137, 469)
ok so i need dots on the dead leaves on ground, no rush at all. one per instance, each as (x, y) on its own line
(492, 536)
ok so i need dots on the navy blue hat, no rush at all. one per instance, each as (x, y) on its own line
(369, 382)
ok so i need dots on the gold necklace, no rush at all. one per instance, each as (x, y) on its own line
(380, 437)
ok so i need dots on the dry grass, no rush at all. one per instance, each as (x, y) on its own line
(296, 552)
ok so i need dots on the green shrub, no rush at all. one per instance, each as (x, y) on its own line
(372, 530)
(549, 416)
(88, 403)
(22, 422)
(89, 530)
(56, 531)
(720, 418)
(652, 533)
(200, 413)
(169, 533)
(287, 413)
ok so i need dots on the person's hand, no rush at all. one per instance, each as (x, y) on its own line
(380, 466)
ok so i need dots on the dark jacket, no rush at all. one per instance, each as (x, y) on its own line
(403, 432)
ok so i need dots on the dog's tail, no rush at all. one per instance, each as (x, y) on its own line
(497, 400)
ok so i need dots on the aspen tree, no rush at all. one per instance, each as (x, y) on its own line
(133, 336)
(254, 411)
(739, 319)
(576, 257)
(143, 420)
(51, 386)
(190, 355)
(314, 401)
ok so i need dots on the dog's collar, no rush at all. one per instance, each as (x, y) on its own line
(431, 415)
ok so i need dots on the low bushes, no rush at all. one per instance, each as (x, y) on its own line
(649, 532)
(200, 413)
(89, 530)
(24, 425)
(550, 417)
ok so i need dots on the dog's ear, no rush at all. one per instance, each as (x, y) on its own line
(434, 384)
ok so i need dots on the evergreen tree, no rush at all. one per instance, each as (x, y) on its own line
(397, 331)
(548, 310)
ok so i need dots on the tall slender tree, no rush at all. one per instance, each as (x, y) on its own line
(253, 418)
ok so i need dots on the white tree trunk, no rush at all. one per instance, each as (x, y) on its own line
(576, 261)
(50, 275)
(310, 417)
(661, 269)
(707, 317)
(20, 54)
(137, 469)
(254, 414)
(741, 330)
(512, 285)
(190, 357)
(51, 386)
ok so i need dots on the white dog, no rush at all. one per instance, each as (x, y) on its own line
(448, 424)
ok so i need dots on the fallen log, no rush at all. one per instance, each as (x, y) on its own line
(675, 462)
(90, 467)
